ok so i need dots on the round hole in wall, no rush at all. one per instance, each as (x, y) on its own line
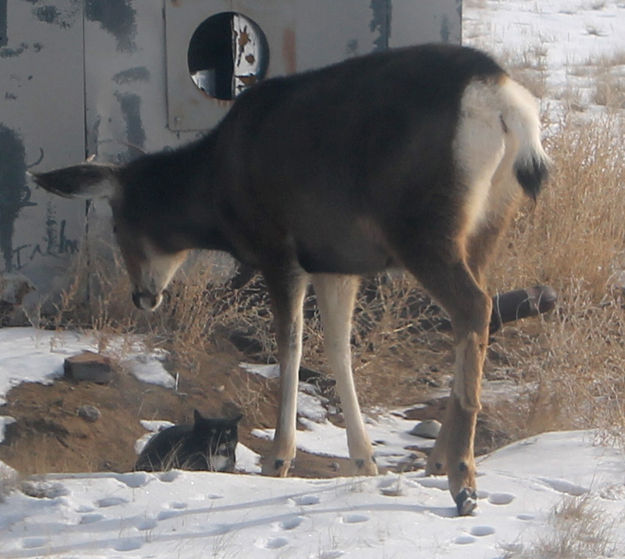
(228, 53)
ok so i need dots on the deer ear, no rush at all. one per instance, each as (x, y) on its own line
(87, 180)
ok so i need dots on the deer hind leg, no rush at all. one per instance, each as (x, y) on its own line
(454, 286)
(335, 297)
(287, 291)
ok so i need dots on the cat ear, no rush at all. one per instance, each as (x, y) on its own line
(197, 416)
(237, 418)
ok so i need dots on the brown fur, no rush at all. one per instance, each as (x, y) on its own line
(409, 158)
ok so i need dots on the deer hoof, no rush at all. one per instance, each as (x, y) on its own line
(466, 501)
(276, 467)
(365, 467)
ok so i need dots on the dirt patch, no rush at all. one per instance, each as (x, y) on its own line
(49, 435)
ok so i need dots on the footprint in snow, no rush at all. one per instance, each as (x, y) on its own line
(290, 523)
(501, 498)
(134, 480)
(271, 543)
(481, 531)
(354, 518)
(306, 500)
(111, 502)
(169, 476)
(465, 539)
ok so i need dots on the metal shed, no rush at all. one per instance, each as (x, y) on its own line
(116, 78)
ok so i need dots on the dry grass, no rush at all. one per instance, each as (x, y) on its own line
(575, 529)
(574, 241)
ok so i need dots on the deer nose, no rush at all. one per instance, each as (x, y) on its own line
(146, 301)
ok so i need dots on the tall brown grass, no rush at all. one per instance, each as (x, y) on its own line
(574, 240)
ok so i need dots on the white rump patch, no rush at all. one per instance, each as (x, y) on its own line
(479, 147)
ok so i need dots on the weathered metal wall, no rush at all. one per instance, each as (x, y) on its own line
(41, 122)
(110, 78)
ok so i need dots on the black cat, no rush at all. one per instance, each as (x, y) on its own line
(208, 444)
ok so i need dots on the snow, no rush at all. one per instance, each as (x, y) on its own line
(32, 355)
(193, 514)
(190, 514)
(570, 38)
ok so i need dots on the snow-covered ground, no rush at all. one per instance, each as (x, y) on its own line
(183, 514)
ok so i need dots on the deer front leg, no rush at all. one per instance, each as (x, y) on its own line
(335, 297)
(453, 452)
(287, 292)
(450, 281)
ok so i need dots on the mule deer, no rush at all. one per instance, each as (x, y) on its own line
(410, 158)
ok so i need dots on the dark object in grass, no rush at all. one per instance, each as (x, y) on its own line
(521, 303)
(209, 444)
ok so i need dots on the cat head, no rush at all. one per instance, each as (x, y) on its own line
(218, 431)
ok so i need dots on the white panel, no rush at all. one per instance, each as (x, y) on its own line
(42, 120)
(425, 21)
(126, 96)
(329, 31)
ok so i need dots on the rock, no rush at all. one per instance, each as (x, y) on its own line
(13, 289)
(89, 413)
(428, 429)
(89, 366)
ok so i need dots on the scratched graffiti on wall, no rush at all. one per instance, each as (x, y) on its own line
(53, 243)
(15, 195)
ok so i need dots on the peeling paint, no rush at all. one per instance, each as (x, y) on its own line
(116, 17)
(52, 15)
(130, 105)
(7, 52)
(14, 194)
(47, 14)
(138, 74)
(381, 22)
(445, 33)
(3, 23)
